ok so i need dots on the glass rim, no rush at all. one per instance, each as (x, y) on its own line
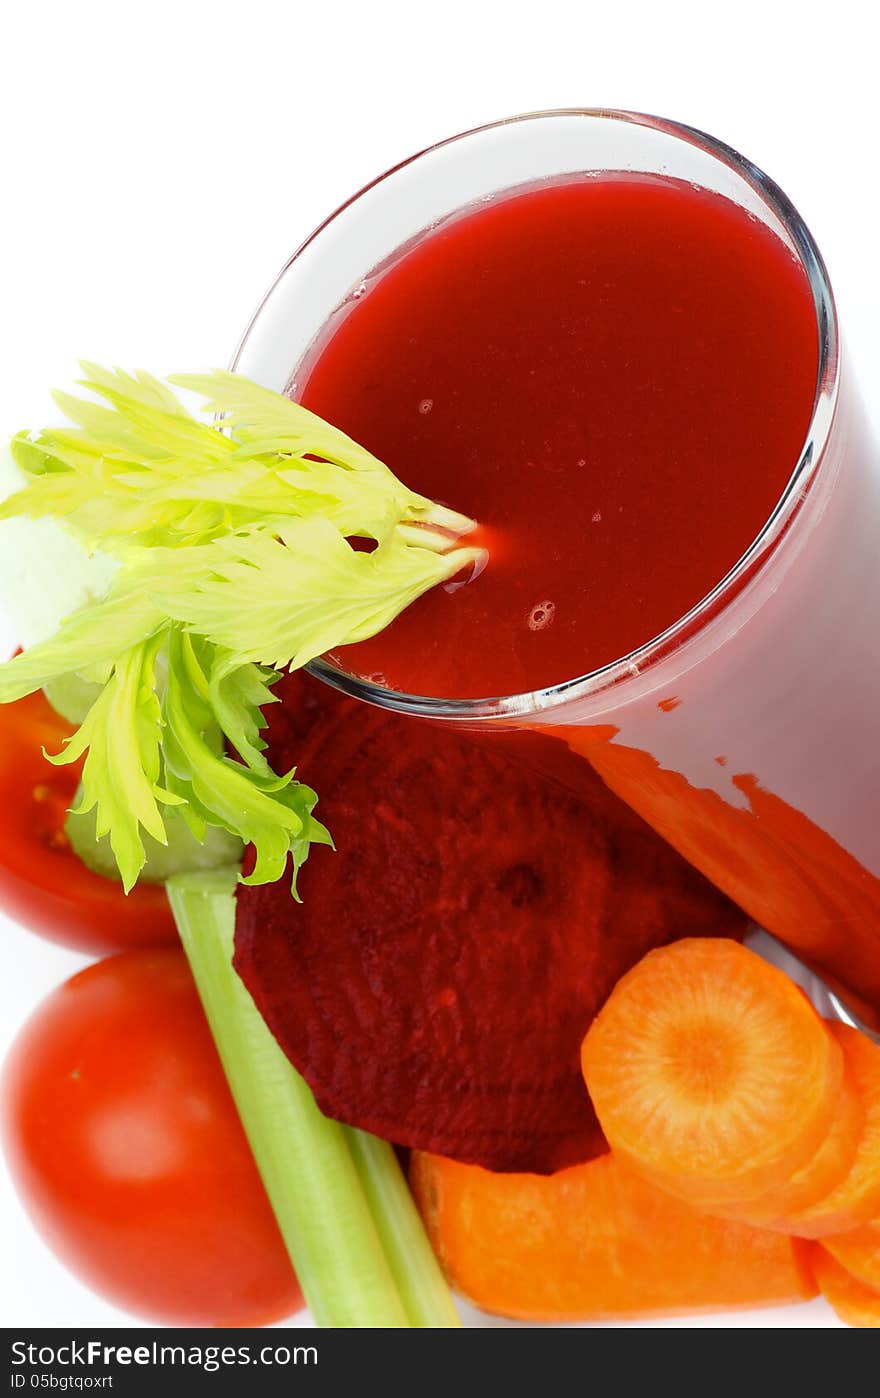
(650, 652)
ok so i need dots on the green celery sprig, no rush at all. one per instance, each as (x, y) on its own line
(234, 563)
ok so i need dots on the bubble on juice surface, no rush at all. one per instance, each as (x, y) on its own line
(425, 406)
(596, 516)
(541, 615)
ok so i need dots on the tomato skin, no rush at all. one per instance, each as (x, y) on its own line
(43, 884)
(124, 1143)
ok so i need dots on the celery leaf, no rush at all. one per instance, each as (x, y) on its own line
(232, 542)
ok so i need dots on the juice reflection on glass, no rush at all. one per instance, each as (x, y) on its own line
(612, 341)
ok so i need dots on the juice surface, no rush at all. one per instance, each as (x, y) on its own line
(615, 376)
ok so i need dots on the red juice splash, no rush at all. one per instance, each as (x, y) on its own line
(615, 376)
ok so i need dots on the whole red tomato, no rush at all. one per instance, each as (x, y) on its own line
(124, 1142)
(43, 884)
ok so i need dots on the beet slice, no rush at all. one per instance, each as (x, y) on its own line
(436, 983)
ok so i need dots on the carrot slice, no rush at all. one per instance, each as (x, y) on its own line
(859, 1253)
(711, 1073)
(594, 1242)
(856, 1200)
(855, 1303)
(821, 1174)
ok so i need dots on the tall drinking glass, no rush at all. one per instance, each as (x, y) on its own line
(747, 733)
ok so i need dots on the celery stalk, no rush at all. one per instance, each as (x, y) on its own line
(421, 1283)
(304, 1158)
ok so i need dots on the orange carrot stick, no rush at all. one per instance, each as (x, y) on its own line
(856, 1200)
(855, 1303)
(594, 1242)
(711, 1073)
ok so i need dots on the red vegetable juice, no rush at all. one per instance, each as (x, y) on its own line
(616, 375)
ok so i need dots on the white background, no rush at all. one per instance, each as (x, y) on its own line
(159, 162)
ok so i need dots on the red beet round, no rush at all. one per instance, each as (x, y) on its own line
(437, 980)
